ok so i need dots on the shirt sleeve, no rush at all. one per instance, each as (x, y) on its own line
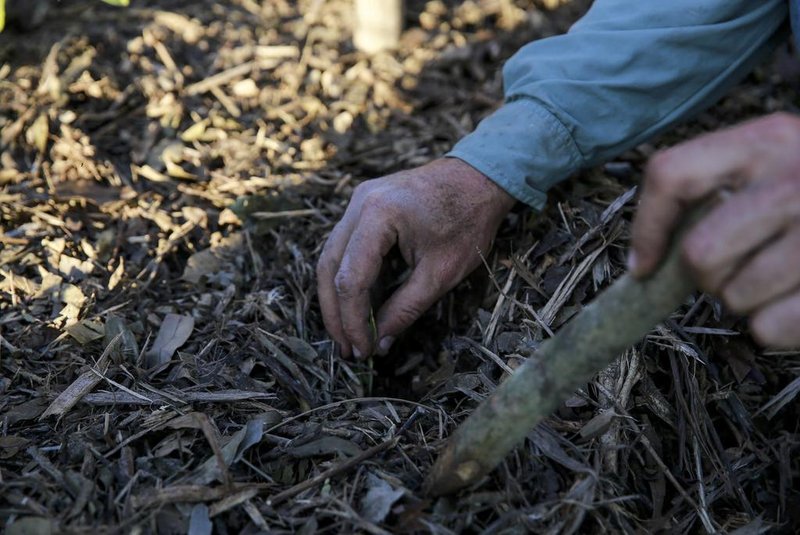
(623, 73)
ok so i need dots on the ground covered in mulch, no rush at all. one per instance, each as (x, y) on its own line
(169, 175)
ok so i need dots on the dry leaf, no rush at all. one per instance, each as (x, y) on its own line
(232, 452)
(598, 425)
(300, 348)
(86, 331)
(24, 411)
(32, 525)
(38, 132)
(214, 259)
(13, 283)
(199, 523)
(116, 276)
(380, 498)
(74, 268)
(11, 444)
(325, 446)
(176, 171)
(195, 132)
(149, 173)
(172, 334)
(72, 295)
(127, 350)
(50, 285)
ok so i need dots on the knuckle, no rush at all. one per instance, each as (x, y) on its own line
(352, 332)
(407, 313)
(325, 265)
(345, 284)
(657, 176)
(361, 190)
(697, 261)
(450, 273)
(693, 254)
(782, 124)
(376, 203)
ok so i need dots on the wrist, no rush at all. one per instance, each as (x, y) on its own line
(494, 196)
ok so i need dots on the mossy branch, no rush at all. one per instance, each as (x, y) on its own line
(617, 319)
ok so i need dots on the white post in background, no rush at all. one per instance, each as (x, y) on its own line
(378, 24)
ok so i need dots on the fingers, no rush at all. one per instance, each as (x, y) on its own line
(771, 274)
(327, 268)
(776, 324)
(651, 232)
(680, 176)
(361, 264)
(408, 303)
(718, 245)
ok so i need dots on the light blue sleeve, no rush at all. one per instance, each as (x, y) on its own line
(623, 73)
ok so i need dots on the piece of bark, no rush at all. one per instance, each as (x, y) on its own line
(618, 318)
(150, 398)
(84, 384)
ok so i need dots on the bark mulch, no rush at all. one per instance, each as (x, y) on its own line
(169, 174)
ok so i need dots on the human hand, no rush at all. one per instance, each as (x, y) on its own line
(441, 216)
(746, 249)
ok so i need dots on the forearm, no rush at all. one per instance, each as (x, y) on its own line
(622, 74)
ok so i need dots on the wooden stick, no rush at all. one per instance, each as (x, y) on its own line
(618, 318)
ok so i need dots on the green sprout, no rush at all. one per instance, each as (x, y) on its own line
(374, 327)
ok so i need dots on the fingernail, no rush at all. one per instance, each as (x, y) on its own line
(385, 344)
(632, 261)
(356, 352)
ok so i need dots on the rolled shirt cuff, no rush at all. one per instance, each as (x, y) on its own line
(523, 148)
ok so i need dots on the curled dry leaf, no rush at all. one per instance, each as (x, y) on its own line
(127, 350)
(86, 331)
(380, 498)
(173, 333)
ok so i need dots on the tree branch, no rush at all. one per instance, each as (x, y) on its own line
(618, 318)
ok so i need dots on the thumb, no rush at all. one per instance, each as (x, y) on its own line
(406, 305)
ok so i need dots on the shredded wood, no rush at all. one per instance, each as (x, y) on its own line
(168, 175)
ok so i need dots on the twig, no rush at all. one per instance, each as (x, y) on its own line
(285, 213)
(135, 398)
